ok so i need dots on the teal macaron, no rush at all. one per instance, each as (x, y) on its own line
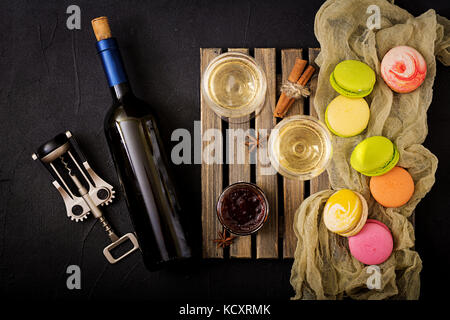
(353, 79)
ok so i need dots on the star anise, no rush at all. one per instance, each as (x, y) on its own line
(254, 142)
(224, 240)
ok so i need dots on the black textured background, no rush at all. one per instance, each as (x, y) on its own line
(51, 80)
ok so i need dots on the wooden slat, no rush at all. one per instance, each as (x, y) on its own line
(293, 190)
(241, 247)
(267, 237)
(321, 182)
(212, 174)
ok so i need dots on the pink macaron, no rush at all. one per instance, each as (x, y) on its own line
(403, 69)
(373, 244)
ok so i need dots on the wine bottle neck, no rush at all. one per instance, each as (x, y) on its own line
(119, 91)
(113, 66)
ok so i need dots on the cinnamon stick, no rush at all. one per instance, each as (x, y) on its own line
(306, 76)
(294, 76)
(287, 101)
(297, 70)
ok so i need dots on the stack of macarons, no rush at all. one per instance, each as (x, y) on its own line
(348, 114)
(345, 213)
(403, 69)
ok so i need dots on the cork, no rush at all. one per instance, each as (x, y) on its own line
(101, 28)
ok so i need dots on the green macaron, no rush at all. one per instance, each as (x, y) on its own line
(374, 156)
(353, 79)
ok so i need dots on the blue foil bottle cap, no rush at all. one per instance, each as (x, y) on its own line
(112, 61)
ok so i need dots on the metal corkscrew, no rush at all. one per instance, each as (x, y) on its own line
(82, 190)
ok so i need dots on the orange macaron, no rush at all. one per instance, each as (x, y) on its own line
(392, 189)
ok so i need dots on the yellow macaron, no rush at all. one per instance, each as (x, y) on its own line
(345, 212)
(347, 117)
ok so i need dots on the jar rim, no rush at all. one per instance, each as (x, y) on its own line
(255, 188)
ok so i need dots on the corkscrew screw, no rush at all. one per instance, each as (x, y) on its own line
(82, 190)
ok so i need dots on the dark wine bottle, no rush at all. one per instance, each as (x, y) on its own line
(139, 159)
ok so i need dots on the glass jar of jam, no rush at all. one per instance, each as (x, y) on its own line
(242, 208)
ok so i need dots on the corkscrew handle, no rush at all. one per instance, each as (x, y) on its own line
(126, 237)
(116, 241)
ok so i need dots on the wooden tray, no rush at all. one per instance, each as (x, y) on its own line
(276, 239)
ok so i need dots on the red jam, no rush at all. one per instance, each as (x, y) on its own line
(242, 208)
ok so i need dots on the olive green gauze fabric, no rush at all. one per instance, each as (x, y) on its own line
(323, 267)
